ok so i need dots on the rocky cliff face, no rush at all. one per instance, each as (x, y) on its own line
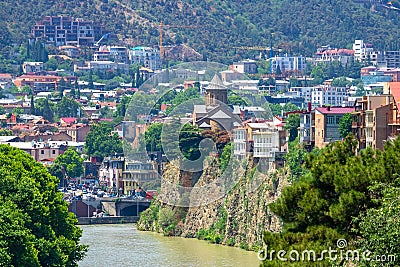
(237, 218)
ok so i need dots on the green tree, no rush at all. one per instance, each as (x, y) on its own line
(91, 85)
(318, 74)
(71, 161)
(234, 99)
(36, 227)
(153, 137)
(292, 125)
(51, 64)
(295, 159)
(324, 204)
(101, 143)
(67, 107)
(17, 111)
(6, 132)
(340, 82)
(47, 111)
(2, 110)
(345, 125)
(57, 170)
(32, 105)
(225, 156)
(380, 226)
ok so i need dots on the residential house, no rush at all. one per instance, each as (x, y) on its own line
(326, 124)
(327, 54)
(118, 54)
(110, 173)
(42, 83)
(78, 131)
(32, 67)
(372, 119)
(137, 173)
(229, 75)
(329, 95)
(46, 151)
(262, 140)
(247, 66)
(70, 50)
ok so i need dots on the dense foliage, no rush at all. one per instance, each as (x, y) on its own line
(295, 26)
(339, 187)
(71, 161)
(36, 228)
(100, 142)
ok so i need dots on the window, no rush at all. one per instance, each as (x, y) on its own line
(42, 152)
(54, 152)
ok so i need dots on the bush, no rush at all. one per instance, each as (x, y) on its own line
(230, 242)
(244, 245)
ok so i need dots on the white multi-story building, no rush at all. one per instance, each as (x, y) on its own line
(329, 95)
(118, 54)
(263, 140)
(304, 92)
(146, 57)
(362, 50)
(239, 142)
(288, 64)
(327, 54)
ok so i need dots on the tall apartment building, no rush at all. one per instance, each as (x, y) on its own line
(146, 57)
(391, 59)
(362, 50)
(288, 64)
(64, 30)
(329, 95)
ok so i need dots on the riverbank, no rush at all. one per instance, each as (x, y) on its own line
(123, 245)
(239, 218)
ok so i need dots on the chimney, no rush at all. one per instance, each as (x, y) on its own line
(309, 106)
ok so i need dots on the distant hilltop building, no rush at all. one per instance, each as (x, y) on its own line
(64, 30)
(288, 64)
(326, 54)
(146, 56)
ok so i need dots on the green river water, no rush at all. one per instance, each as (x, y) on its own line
(123, 245)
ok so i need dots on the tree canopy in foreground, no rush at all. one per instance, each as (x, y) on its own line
(344, 195)
(36, 228)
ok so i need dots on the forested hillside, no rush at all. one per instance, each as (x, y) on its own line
(219, 25)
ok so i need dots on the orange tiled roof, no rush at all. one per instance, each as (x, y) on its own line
(395, 91)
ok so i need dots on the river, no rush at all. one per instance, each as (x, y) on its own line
(123, 245)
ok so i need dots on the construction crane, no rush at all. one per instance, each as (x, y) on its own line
(105, 36)
(161, 26)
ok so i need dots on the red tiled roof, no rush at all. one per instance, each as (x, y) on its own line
(335, 110)
(395, 91)
(68, 120)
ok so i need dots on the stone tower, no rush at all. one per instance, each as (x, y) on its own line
(216, 90)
